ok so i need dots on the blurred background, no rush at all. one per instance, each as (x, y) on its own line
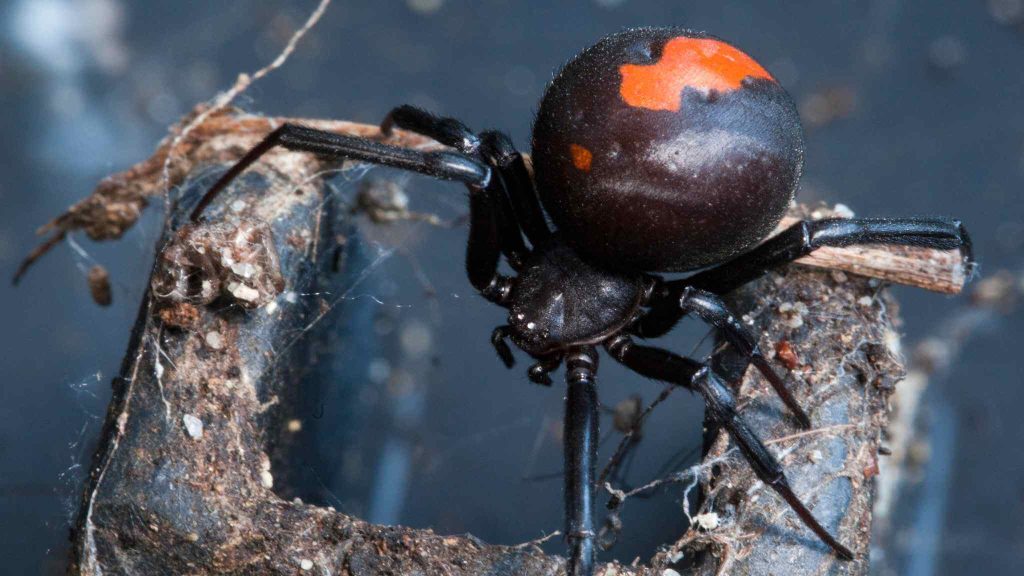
(910, 107)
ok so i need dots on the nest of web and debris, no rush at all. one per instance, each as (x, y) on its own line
(182, 480)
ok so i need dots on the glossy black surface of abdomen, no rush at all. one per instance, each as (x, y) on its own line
(660, 149)
(558, 300)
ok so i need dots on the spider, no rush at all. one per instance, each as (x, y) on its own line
(655, 150)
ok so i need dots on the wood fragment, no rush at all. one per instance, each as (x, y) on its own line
(936, 270)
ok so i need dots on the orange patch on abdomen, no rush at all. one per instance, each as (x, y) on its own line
(581, 157)
(700, 63)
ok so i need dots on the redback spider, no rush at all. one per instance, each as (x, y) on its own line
(655, 150)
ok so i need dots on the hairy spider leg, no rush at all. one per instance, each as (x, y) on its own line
(581, 439)
(798, 241)
(447, 131)
(454, 133)
(498, 340)
(538, 372)
(443, 165)
(721, 405)
(519, 185)
(520, 203)
(483, 249)
(711, 309)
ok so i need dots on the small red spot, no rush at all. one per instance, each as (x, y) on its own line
(785, 353)
(871, 470)
(700, 63)
(581, 157)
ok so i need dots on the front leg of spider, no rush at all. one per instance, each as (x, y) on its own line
(721, 406)
(712, 309)
(581, 439)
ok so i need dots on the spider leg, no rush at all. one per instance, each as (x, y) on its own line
(711, 309)
(498, 341)
(807, 236)
(442, 165)
(581, 438)
(483, 249)
(519, 185)
(447, 131)
(495, 146)
(539, 371)
(721, 405)
(454, 133)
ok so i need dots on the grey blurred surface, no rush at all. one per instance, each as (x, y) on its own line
(911, 107)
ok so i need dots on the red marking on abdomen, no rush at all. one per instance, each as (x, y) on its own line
(581, 157)
(700, 63)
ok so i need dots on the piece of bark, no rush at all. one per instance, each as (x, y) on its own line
(182, 479)
(838, 330)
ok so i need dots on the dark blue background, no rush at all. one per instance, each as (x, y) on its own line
(87, 87)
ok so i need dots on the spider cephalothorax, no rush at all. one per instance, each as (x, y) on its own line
(656, 150)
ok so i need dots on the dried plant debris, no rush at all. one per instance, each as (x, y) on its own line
(203, 137)
(99, 285)
(236, 261)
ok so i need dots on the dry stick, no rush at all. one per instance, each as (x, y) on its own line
(241, 85)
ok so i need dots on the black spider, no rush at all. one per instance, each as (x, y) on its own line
(656, 150)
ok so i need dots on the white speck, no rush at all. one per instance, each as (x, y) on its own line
(843, 211)
(238, 205)
(416, 339)
(267, 479)
(243, 269)
(865, 301)
(306, 564)
(291, 297)
(214, 340)
(669, 572)
(271, 308)
(815, 456)
(193, 425)
(530, 325)
(379, 370)
(243, 292)
(708, 521)
(424, 6)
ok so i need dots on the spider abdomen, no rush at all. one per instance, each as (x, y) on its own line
(559, 301)
(660, 149)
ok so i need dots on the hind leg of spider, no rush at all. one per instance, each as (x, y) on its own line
(805, 237)
(581, 439)
(442, 165)
(509, 169)
(447, 131)
(721, 406)
(711, 309)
